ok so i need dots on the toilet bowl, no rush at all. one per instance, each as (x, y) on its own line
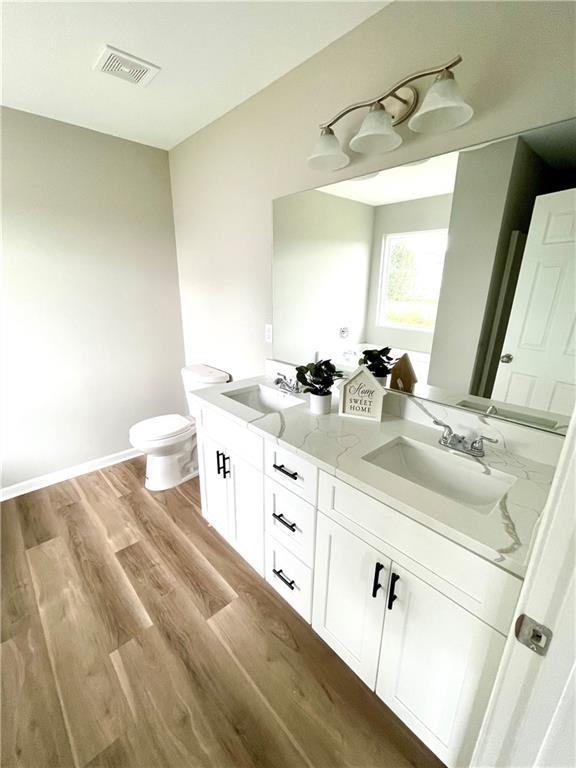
(169, 441)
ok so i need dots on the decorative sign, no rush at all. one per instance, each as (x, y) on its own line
(362, 396)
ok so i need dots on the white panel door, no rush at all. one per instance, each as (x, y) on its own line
(215, 485)
(437, 666)
(246, 509)
(538, 363)
(350, 583)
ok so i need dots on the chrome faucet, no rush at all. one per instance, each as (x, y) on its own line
(471, 447)
(286, 385)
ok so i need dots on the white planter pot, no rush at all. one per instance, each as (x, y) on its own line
(320, 404)
(381, 380)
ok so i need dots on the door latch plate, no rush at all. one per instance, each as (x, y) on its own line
(533, 635)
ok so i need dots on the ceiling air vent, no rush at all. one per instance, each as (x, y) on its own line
(125, 66)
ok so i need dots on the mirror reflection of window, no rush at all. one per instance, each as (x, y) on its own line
(410, 279)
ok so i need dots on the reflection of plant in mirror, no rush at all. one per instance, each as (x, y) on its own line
(318, 378)
(378, 361)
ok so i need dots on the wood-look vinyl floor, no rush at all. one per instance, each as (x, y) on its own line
(133, 636)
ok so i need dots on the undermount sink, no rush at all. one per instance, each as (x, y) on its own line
(455, 477)
(263, 398)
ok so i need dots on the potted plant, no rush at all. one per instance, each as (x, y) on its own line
(379, 362)
(318, 379)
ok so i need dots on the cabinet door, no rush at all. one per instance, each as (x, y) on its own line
(437, 666)
(246, 505)
(350, 584)
(215, 486)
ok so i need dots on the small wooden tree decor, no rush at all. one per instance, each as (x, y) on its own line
(362, 396)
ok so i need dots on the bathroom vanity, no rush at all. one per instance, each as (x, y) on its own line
(405, 557)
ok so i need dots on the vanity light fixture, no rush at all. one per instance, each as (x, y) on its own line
(443, 108)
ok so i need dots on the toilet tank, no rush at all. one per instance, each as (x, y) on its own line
(200, 376)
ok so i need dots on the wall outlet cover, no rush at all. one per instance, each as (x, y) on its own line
(268, 333)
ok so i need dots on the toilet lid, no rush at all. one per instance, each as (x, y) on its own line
(160, 427)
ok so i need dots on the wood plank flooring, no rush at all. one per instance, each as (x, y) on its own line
(133, 636)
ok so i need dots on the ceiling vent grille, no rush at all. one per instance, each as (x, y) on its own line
(125, 66)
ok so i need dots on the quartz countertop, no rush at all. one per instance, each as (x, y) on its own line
(338, 445)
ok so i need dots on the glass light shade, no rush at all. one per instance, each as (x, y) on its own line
(443, 108)
(327, 154)
(376, 134)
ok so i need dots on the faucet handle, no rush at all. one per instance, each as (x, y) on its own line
(448, 431)
(478, 443)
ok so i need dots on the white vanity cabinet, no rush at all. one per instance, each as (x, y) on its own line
(214, 487)
(406, 626)
(290, 527)
(437, 666)
(351, 582)
(419, 618)
(231, 463)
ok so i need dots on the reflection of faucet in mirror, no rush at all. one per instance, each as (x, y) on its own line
(285, 384)
(471, 447)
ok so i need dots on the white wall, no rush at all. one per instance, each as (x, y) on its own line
(322, 247)
(478, 240)
(92, 326)
(410, 216)
(519, 71)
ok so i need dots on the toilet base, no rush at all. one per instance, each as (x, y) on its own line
(168, 471)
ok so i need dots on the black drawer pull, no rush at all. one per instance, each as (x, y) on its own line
(391, 595)
(376, 584)
(287, 523)
(282, 468)
(279, 575)
(219, 457)
(226, 469)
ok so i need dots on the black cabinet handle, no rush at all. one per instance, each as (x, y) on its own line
(226, 468)
(391, 595)
(280, 575)
(282, 468)
(219, 457)
(376, 584)
(287, 523)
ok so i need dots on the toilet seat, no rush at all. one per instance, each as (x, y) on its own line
(161, 428)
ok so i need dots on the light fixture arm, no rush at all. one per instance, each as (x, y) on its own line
(392, 91)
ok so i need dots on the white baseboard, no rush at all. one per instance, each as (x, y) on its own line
(35, 483)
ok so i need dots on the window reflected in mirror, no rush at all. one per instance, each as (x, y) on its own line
(410, 279)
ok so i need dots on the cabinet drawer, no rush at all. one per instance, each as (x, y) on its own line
(294, 473)
(290, 520)
(236, 438)
(289, 577)
(474, 583)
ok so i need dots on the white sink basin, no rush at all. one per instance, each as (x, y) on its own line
(454, 477)
(263, 398)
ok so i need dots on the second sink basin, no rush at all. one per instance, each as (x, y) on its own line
(263, 398)
(455, 477)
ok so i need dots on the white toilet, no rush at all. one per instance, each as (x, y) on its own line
(169, 441)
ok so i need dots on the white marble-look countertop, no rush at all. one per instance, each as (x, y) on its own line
(338, 445)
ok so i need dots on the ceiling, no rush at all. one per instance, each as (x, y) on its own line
(428, 178)
(213, 56)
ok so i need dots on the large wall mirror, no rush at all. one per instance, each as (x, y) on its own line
(465, 261)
